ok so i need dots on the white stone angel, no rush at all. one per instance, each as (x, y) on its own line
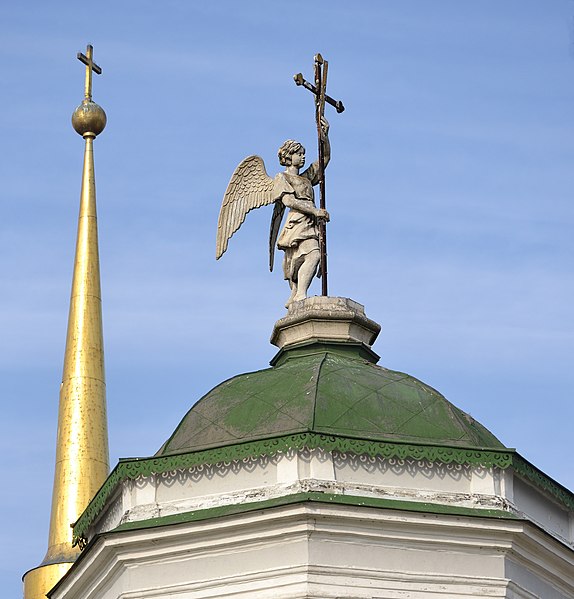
(250, 187)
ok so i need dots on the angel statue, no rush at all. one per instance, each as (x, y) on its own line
(251, 187)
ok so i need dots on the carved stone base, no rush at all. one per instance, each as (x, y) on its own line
(323, 318)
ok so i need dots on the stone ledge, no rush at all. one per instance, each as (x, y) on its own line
(326, 319)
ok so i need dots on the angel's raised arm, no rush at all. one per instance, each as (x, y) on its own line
(312, 173)
(249, 187)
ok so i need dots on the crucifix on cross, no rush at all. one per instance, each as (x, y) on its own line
(87, 59)
(319, 92)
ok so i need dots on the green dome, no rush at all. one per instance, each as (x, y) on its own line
(328, 389)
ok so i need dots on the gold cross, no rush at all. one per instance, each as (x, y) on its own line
(90, 66)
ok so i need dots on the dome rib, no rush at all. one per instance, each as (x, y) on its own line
(317, 389)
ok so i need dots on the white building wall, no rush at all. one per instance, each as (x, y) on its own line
(326, 551)
(204, 487)
(264, 478)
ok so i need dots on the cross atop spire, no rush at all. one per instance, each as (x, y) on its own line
(87, 59)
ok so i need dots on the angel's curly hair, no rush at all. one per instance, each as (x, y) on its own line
(286, 150)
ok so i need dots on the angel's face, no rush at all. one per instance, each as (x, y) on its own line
(298, 158)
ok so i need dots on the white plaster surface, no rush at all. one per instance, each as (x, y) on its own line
(320, 550)
(546, 513)
(326, 551)
(253, 480)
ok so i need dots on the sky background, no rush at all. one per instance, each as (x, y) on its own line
(450, 194)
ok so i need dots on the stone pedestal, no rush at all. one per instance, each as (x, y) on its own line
(321, 318)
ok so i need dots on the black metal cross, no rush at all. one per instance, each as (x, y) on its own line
(87, 59)
(319, 92)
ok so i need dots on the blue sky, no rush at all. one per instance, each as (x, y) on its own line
(450, 192)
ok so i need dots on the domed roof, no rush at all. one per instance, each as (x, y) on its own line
(331, 389)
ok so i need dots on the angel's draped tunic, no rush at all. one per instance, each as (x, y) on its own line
(300, 234)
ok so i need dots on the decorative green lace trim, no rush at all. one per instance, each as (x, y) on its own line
(531, 473)
(131, 469)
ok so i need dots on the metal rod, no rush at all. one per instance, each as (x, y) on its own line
(319, 108)
(320, 96)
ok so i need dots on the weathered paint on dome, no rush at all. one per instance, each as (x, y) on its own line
(328, 389)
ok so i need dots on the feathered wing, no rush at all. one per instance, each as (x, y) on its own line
(274, 230)
(249, 187)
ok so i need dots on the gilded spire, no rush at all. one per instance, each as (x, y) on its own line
(82, 461)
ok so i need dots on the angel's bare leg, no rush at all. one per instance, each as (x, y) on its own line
(293, 292)
(305, 275)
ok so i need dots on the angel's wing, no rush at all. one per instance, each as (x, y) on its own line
(274, 230)
(249, 187)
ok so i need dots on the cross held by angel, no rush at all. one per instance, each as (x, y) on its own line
(251, 187)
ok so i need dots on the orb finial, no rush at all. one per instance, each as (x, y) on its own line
(89, 119)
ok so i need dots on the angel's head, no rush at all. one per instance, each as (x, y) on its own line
(288, 151)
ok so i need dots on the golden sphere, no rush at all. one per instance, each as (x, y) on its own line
(89, 118)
